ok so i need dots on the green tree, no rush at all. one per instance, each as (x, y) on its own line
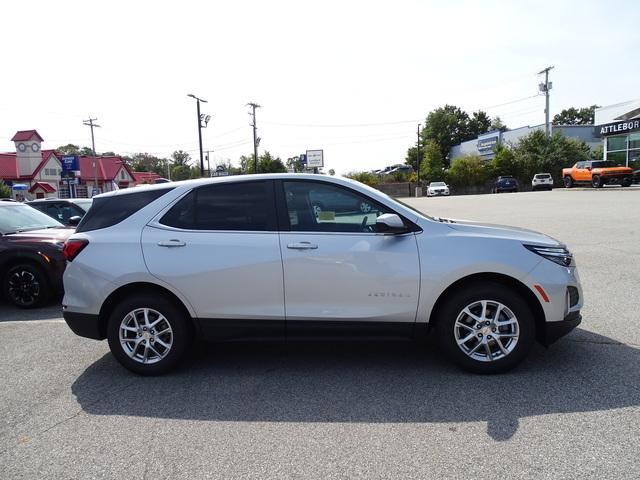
(412, 157)
(479, 123)
(432, 165)
(294, 164)
(446, 126)
(367, 178)
(180, 158)
(497, 124)
(86, 151)
(68, 149)
(468, 170)
(144, 162)
(537, 153)
(5, 190)
(504, 162)
(576, 116)
(269, 164)
(247, 163)
(180, 172)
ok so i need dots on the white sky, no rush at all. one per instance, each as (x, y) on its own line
(132, 64)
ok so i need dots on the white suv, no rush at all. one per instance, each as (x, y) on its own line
(248, 257)
(542, 181)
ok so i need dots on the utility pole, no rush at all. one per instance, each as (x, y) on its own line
(545, 87)
(198, 100)
(256, 140)
(418, 153)
(92, 125)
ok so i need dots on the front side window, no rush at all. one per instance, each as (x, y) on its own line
(319, 207)
(242, 206)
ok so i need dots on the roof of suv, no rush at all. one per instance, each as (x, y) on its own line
(233, 179)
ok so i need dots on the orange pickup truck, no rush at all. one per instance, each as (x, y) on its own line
(597, 173)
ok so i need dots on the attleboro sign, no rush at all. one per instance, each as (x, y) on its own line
(619, 127)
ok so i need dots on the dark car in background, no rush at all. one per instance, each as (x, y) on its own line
(62, 209)
(31, 259)
(505, 183)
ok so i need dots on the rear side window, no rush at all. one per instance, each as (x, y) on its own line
(108, 211)
(242, 206)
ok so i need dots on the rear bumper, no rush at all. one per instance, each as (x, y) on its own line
(556, 330)
(84, 325)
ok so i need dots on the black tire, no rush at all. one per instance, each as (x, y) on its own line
(568, 182)
(181, 330)
(626, 182)
(26, 286)
(596, 181)
(494, 292)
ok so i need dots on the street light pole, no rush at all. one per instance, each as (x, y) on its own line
(198, 100)
(418, 153)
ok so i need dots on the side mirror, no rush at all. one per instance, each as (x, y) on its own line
(391, 223)
(74, 221)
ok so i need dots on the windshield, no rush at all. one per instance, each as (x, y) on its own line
(20, 218)
(437, 184)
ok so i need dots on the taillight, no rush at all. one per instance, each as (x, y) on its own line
(72, 248)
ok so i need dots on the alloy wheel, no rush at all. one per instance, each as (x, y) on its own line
(486, 330)
(23, 287)
(146, 335)
(365, 207)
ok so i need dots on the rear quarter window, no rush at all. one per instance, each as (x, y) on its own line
(108, 211)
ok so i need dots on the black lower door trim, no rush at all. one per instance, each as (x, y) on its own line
(347, 330)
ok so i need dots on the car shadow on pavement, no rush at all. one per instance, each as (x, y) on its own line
(373, 382)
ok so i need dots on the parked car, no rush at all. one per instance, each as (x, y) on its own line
(505, 183)
(437, 188)
(597, 173)
(31, 259)
(246, 257)
(542, 181)
(67, 211)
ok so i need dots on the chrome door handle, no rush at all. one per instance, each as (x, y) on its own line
(172, 243)
(302, 246)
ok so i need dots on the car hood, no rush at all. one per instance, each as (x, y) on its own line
(505, 232)
(45, 235)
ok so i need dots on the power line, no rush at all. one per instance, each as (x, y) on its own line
(345, 125)
(509, 103)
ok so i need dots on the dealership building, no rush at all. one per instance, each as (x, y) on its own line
(619, 126)
(485, 143)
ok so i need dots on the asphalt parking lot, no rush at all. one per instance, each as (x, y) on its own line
(350, 411)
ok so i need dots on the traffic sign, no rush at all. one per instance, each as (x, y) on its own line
(315, 158)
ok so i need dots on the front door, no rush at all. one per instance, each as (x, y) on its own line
(219, 247)
(340, 273)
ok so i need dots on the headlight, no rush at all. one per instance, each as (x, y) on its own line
(559, 255)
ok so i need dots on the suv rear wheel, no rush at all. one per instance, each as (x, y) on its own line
(626, 182)
(486, 328)
(148, 334)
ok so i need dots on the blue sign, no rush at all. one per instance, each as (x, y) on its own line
(70, 163)
(303, 159)
(487, 145)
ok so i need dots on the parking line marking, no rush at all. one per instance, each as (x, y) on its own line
(51, 320)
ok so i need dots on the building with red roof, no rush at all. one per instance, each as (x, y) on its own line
(42, 171)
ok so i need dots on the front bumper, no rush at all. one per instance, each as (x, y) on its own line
(556, 330)
(85, 325)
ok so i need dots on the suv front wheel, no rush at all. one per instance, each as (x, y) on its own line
(148, 334)
(486, 328)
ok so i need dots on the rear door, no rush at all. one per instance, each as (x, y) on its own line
(219, 247)
(341, 276)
